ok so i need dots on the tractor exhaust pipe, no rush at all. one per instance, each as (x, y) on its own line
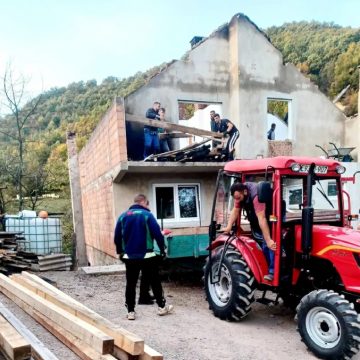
(308, 216)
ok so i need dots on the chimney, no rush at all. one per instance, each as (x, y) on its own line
(195, 40)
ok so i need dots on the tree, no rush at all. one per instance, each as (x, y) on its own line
(22, 111)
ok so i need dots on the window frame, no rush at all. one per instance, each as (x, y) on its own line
(177, 219)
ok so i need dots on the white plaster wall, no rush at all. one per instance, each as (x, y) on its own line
(203, 77)
(133, 184)
(313, 119)
(352, 136)
(352, 189)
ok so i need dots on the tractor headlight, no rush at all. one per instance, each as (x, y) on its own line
(295, 167)
(340, 169)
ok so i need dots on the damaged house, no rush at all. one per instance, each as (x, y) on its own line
(237, 72)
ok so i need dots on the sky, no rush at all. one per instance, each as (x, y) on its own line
(56, 42)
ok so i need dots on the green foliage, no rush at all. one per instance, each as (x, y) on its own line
(327, 53)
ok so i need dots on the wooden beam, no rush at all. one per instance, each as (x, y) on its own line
(173, 135)
(104, 269)
(79, 347)
(12, 343)
(94, 337)
(124, 339)
(171, 126)
(150, 354)
(39, 351)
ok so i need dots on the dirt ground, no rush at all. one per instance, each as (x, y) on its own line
(190, 333)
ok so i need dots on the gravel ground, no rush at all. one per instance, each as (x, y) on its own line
(190, 333)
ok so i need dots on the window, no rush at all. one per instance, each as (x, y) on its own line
(278, 111)
(332, 188)
(196, 114)
(177, 202)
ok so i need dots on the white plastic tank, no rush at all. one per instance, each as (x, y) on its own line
(42, 236)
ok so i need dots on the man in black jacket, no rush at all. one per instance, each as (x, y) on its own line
(151, 137)
(227, 128)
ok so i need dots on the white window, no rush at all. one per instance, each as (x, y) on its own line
(177, 202)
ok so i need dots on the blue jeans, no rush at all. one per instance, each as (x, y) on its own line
(164, 145)
(151, 143)
(270, 257)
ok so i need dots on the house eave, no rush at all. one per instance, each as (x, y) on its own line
(145, 167)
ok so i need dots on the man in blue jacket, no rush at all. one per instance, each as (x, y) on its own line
(151, 137)
(135, 232)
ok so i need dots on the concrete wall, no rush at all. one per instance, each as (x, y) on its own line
(133, 184)
(262, 75)
(203, 76)
(352, 136)
(99, 161)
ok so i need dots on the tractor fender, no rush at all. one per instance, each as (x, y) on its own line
(251, 252)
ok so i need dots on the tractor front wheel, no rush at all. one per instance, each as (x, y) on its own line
(229, 292)
(328, 325)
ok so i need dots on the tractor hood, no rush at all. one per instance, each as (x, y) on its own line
(327, 238)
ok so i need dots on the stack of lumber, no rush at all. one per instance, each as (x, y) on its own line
(53, 262)
(11, 259)
(12, 345)
(85, 332)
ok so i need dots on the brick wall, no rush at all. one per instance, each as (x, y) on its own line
(104, 151)
(279, 148)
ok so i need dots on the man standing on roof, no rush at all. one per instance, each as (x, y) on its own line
(151, 137)
(134, 237)
(271, 132)
(213, 127)
(226, 127)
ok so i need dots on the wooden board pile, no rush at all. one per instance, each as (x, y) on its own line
(11, 259)
(52, 262)
(85, 332)
(12, 345)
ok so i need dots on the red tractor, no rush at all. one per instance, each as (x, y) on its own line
(317, 260)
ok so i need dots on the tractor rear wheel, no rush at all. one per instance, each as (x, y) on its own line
(230, 298)
(328, 325)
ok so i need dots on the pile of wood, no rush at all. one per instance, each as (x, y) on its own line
(11, 259)
(52, 262)
(85, 332)
(194, 152)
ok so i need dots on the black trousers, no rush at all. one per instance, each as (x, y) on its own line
(150, 267)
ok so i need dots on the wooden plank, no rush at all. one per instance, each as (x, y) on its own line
(79, 347)
(173, 152)
(171, 126)
(39, 351)
(96, 338)
(106, 269)
(12, 343)
(124, 339)
(150, 354)
(174, 135)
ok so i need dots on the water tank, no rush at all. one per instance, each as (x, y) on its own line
(42, 236)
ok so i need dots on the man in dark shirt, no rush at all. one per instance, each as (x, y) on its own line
(226, 127)
(134, 237)
(151, 137)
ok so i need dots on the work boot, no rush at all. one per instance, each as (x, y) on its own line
(167, 309)
(131, 315)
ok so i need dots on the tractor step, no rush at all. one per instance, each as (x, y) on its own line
(266, 301)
